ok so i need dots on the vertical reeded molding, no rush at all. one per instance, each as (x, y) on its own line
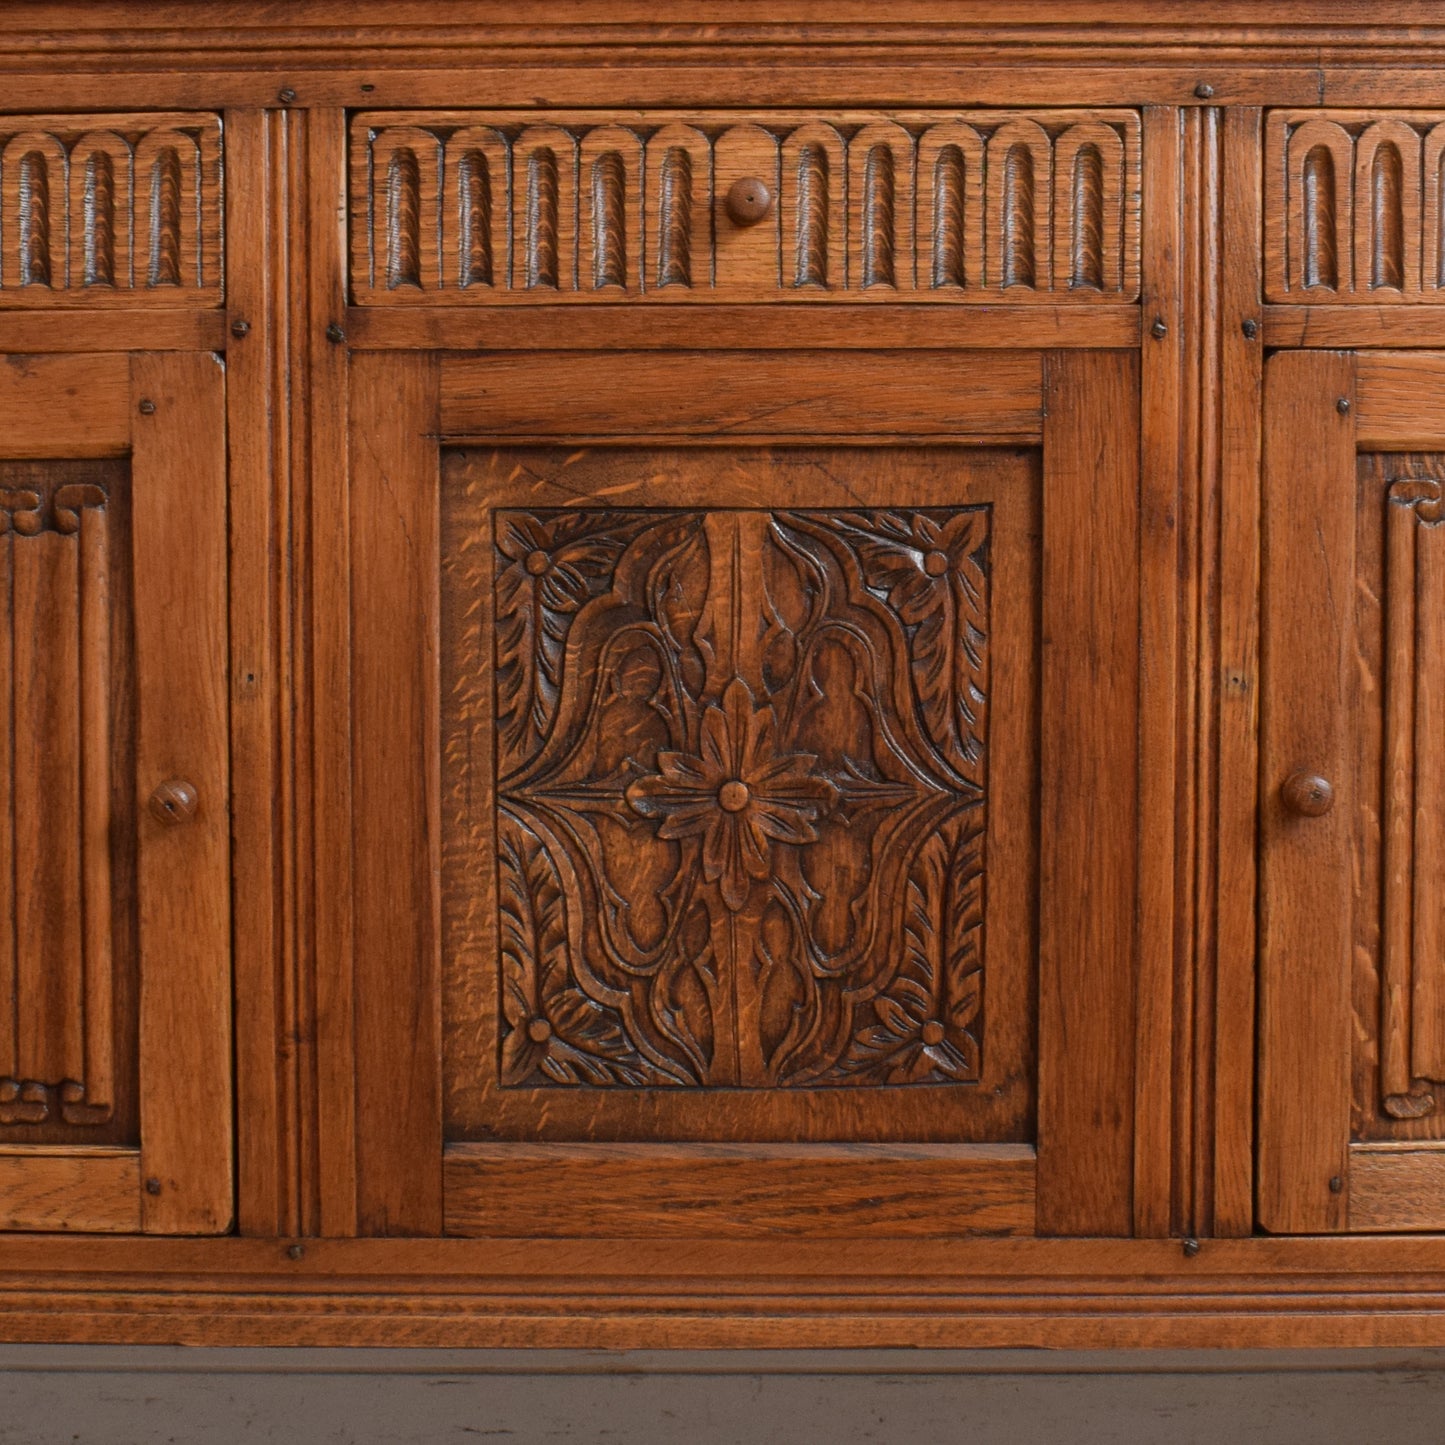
(811, 268)
(83, 509)
(1387, 221)
(1440, 222)
(35, 238)
(9, 893)
(878, 218)
(948, 218)
(475, 219)
(1321, 266)
(99, 212)
(1019, 267)
(609, 221)
(165, 219)
(674, 235)
(1410, 1025)
(403, 220)
(1086, 250)
(541, 260)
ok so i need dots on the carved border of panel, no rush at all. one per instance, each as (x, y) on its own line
(484, 207)
(111, 210)
(1353, 206)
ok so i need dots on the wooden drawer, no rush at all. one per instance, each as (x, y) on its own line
(467, 207)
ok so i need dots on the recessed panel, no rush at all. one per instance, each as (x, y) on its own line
(737, 803)
(67, 852)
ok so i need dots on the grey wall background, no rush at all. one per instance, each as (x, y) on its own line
(82, 1395)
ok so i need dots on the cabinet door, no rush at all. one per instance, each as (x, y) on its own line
(115, 1091)
(1353, 809)
(743, 792)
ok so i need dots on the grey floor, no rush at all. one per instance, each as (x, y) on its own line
(80, 1395)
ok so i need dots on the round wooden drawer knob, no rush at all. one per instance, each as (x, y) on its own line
(749, 200)
(174, 801)
(1308, 794)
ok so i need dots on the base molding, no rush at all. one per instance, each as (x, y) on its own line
(1381, 1292)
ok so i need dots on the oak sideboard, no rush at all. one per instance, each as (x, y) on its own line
(722, 673)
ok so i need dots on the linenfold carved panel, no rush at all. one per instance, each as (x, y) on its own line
(1353, 206)
(118, 209)
(58, 950)
(1412, 1035)
(481, 207)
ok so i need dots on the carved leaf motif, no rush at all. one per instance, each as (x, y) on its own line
(547, 569)
(931, 569)
(924, 1026)
(550, 1026)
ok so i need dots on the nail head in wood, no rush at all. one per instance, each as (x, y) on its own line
(1204, 90)
(240, 328)
(153, 1185)
(1191, 1248)
(1337, 1185)
(296, 1251)
(286, 95)
(147, 408)
(1308, 794)
(1343, 406)
(1160, 329)
(174, 801)
(748, 201)
(1250, 329)
(335, 334)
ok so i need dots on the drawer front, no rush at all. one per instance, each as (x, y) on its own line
(484, 207)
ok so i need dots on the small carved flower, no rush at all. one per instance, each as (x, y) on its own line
(917, 567)
(737, 793)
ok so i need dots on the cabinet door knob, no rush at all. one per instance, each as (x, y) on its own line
(174, 801)
(1307, 794)
(748, 201)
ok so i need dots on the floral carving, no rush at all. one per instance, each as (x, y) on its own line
(738, 794)
(741, 796)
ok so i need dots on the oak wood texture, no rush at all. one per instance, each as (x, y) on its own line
(1089, 794)
(320, 412)
(110, 210)
(478, 207)
(1400, 406)
(1226, 1087)
(67, 960)
(1396, 1187)
(724, 1191)
(745, 326)
(1305, 884)
(778, 1293)
(77, 1188)
(125, 586)
(889, 836)
(1353, 206)
(1090, 438)
(393, 516)
(338, 1077)
(178, 522)
(797, 394)
(64, 406)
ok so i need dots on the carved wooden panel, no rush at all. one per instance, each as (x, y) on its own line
(110, 209)
(66, 870)
(1412, 819)
(482, 207)
(1353, 206)
(742, 755)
